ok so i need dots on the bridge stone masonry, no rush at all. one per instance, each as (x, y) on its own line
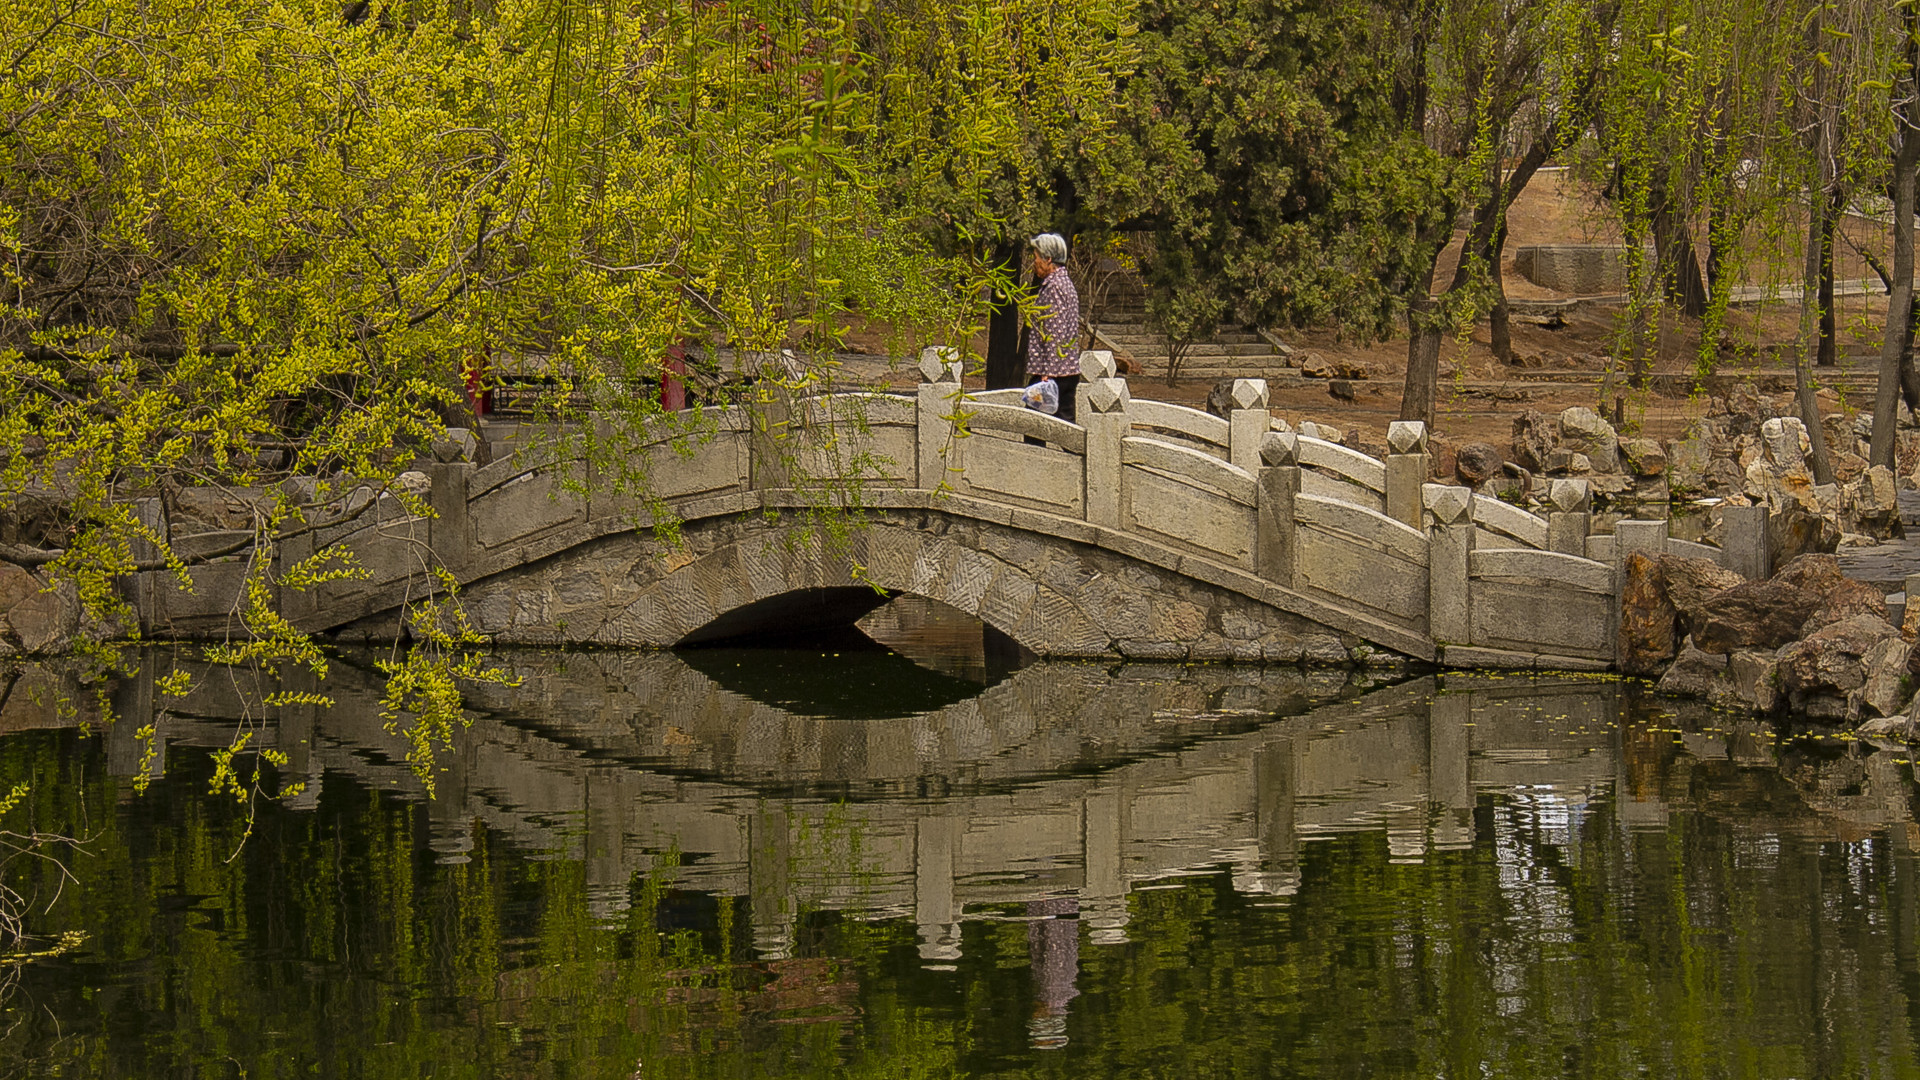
(1148, 530)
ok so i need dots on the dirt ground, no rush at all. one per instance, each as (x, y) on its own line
(1568, 361)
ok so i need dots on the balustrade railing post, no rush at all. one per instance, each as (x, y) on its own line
(1102, 410)
(1248, 422)
(1449, 563)
(1569, 517)
(770, 416)
(450, 533)
(940, 372)
(1745, 547)
(1408, 466)
(1274, 550)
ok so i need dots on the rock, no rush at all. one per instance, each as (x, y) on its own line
(1316, 366)
(1688, 583)
(1744, 407)
(1584, 431)
(1844, 601)
(1723, 475)
(1871, 505)
(1899, 728)
(35, 618)
(1793, 530)
(1476, 463)
(1610, 485)
(1815, 573)
(458, 444)
(1688, 460)
(1783, 440)
(1324, 649)
(1848, 467)
(1567, 461)
(1886, 668)
(1832, 661)
(1342, 389)
(1753, 615)
(1220, 398)
(413, 483)
(1644, 457)
(1756, 679)
(1533, 440)
(1649, 622)
(1697, 674)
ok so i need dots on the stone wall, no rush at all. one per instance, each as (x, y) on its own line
(1576, 269)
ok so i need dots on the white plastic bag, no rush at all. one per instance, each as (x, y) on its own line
(1043, 396)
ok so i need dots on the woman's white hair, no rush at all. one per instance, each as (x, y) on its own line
(1051, 247)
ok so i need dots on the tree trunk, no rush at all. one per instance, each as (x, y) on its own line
(1826, 356)
(1499, 331)
(1006, 360)
(1674, 257)
(1679, 265)
(1418, 399)
(1896, 347)
(1809, 401)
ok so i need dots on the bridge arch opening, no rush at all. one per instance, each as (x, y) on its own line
(929, 633)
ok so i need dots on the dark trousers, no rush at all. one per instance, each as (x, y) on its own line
(1069, 390)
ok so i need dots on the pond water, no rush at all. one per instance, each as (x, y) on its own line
(734, 864)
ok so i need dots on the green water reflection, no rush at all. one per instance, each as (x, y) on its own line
(636, 870)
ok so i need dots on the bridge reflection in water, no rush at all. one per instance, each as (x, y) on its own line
(1049, 795)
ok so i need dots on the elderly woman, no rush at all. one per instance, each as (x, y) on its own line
(1053, 349)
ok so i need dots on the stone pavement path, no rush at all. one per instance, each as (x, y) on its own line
(1887, 565)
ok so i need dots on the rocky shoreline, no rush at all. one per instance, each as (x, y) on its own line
(1808, 641)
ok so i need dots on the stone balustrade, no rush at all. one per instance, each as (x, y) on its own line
(1272, 526)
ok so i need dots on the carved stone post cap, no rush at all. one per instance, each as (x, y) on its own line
(1570, 496)
(1108, 395)
(1278, 448)
(941, 364)
(1448, 505)
(1407, 437)
(1097, 364)
(1249, 393)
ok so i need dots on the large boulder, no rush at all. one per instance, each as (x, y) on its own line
(1583, 431)
(1886, 667)
(1649, 632)
(1844, 601)
(35, 618)
(1689, 582)
(1697, 674)
(1476, 463)
(1756, 679)
(1754, 615)
(1645, 458)
(1688, 460)
(1833, 662)
(1816, 573)
(1871, 505)
(1533, 440)
(1783, 439)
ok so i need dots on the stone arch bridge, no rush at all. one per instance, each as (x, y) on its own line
(1148, 530)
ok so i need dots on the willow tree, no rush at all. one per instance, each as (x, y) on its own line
(1477, 80)
(249, 249)
(1897, 376)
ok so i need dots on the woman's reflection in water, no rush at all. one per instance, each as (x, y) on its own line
(1053, 950)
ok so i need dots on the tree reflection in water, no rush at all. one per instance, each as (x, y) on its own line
(634, 869)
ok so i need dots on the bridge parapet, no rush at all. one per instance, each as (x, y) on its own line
(1286, 526)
